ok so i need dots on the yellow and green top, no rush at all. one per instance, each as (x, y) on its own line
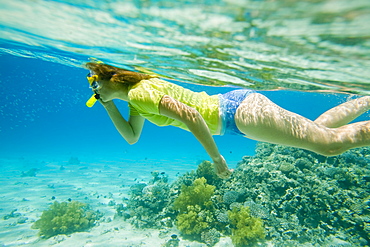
(145, 96)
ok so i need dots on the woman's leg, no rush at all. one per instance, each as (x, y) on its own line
(262, 120)
(344, 113)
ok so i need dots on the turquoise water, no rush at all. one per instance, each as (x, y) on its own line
(309, 55)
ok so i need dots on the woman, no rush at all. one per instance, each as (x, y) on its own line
(242, 112)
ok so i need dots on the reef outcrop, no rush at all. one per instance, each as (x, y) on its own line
(287, 196)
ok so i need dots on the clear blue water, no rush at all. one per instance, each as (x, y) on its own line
(303, 47)
(44, 113)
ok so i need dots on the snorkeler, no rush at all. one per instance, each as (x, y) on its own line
(242, 112)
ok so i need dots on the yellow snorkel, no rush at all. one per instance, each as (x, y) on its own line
(95, 96)
(91, 102)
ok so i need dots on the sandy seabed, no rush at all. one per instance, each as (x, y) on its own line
(96, 184)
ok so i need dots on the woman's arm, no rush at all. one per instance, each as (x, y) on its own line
(130, 130)
(194, 121)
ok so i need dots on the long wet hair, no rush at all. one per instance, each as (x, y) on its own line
(113, 74)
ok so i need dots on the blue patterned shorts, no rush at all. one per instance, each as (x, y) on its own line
(229, 102)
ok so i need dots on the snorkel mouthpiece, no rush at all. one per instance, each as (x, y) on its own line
(91, 102)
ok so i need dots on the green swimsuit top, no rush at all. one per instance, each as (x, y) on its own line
(144, 98)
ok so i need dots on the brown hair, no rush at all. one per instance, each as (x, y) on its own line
(114, 74)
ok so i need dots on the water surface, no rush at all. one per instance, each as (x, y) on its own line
(305, 45)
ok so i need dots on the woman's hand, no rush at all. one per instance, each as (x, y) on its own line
(221, 168)
(107, 104)
(130, 130)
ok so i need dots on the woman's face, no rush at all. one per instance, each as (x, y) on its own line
(107, 90)
(104, 91)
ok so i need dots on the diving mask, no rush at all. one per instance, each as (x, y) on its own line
(94, 84)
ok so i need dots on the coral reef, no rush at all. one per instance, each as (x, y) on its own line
(197, 224)
(198, 194)
(303, 199)
(148, 203)
(206, 170)
(230, 197)
(318, 199)
(210, 237)
(247, 230)
(196, 209)
(65, 218)
(191, 222)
